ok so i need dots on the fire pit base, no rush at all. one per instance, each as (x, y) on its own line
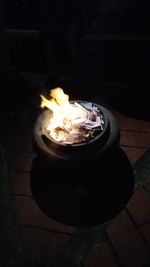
(83, 197)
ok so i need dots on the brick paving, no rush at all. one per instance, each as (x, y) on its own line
(127, 242)
(40, 246)
(100, 255)
(140, 212)
(128, 236)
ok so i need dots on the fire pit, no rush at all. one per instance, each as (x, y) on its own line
(80, 175)
(75, 130)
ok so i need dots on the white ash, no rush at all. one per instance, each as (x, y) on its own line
(93, 119)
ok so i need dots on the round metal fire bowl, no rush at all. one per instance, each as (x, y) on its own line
(53, 150)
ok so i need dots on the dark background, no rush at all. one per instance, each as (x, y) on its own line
(92, 48)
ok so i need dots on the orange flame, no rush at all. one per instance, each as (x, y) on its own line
(65, 115)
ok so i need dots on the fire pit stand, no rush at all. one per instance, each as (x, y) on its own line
(83, 197)
(83, 185)
(76, 182)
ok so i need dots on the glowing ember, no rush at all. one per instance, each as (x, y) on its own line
(71, 122)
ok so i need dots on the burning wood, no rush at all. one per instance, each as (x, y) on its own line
(71, 122)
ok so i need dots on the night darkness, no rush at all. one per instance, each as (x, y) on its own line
(103, 45)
